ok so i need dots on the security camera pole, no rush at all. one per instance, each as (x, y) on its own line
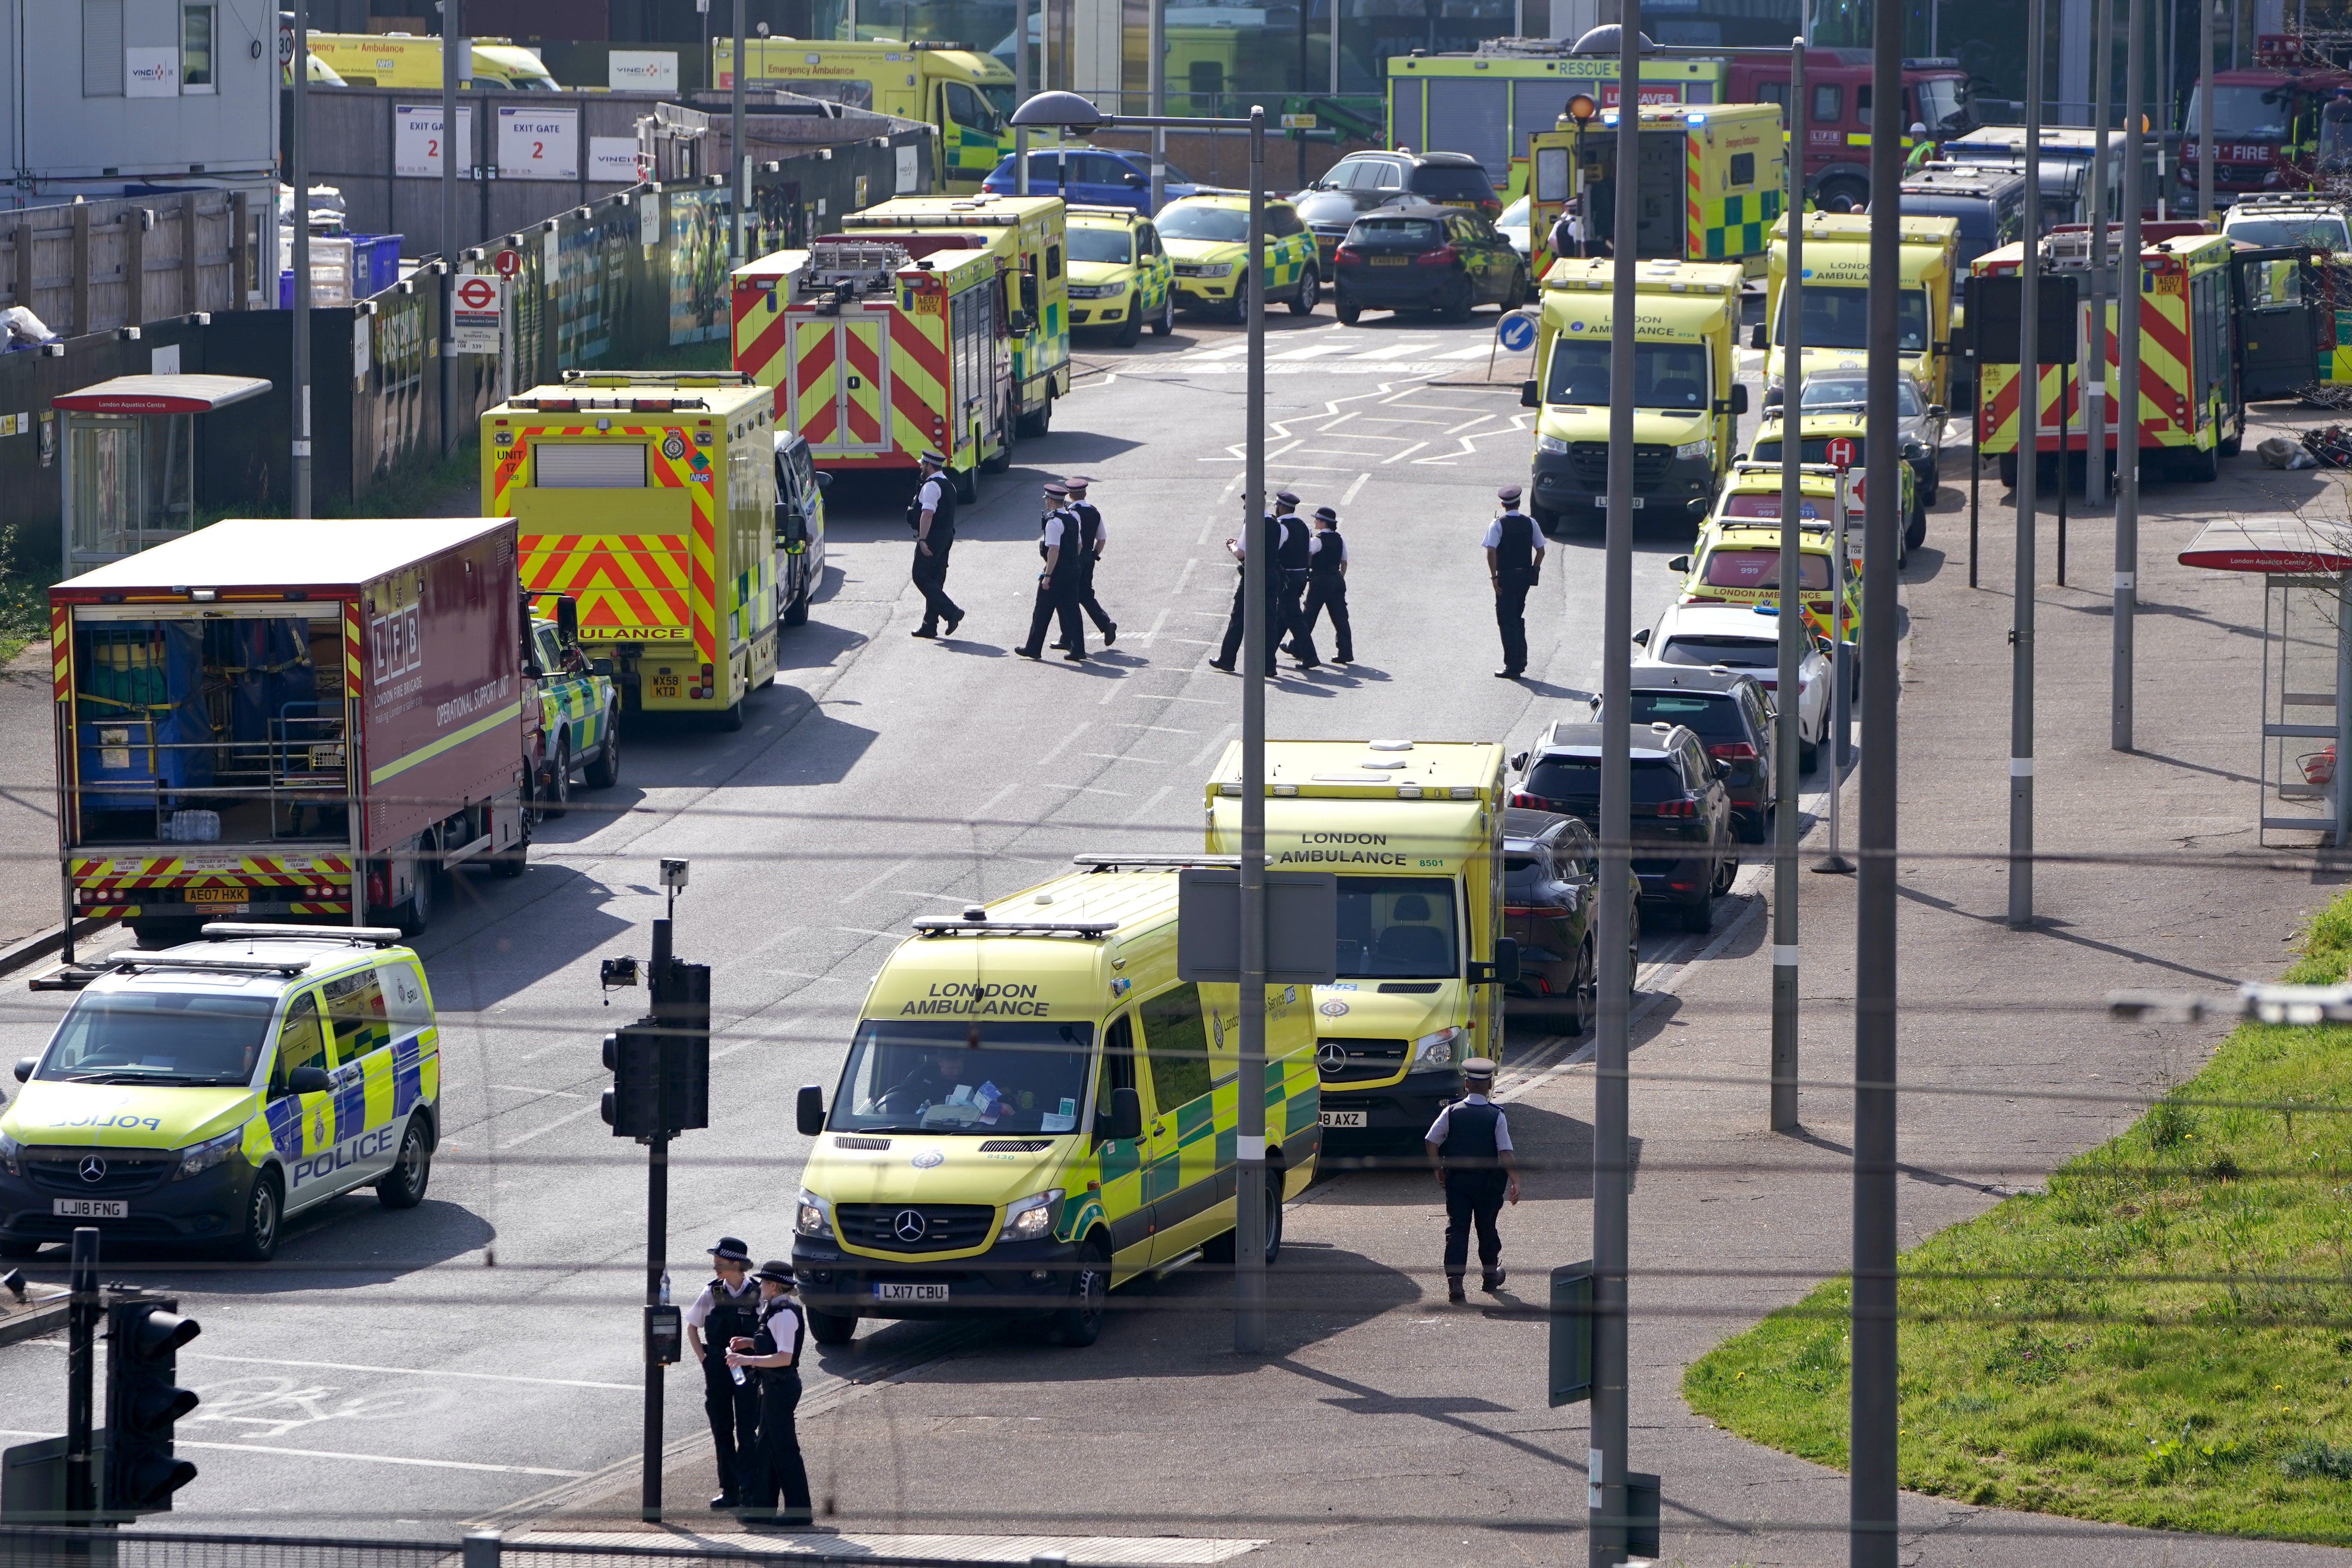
(1790, 688)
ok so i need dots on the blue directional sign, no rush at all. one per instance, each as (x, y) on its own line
(1517, 332)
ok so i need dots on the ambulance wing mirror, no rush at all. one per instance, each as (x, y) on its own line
(824, 481)
(1756, 337)
(309, 1080)
(1738, 397)
(1679, 563)
(1125, 1113)
(567, 619)
(1018, 324)
(24, 1065)
(1504, 970)
(1529, 398)
(810, 1111)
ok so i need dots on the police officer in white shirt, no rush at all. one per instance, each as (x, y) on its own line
(771, 1353)
(1326, 583)
(932, 515)
(1094, 534)
(1470, 1149)
(1060, 582)
(728, 1306)
(1515, 552)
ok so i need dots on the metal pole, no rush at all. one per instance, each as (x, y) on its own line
(81, 1357)
(1020, 95)
(1976, 443)
(1249, 1200)
(2094, 345)
(1789, 692)
(657, 984)
(1872, 1543)
(741, 155)
(2127, 415)
(453, 46)
(2065, 463)
(1157, 76)
(1607, 1463)
(1841, 680)
(2343, 801)
(2205, 9)
(299, 157)
(1334, 50)
(2029, 467)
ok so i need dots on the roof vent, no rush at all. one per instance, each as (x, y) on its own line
(975, 912)
(1391, 746)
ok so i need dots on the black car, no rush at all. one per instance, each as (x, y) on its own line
(1551, 900)
(1423, 257)
(1361, 182)
(1683, 848)
(1733, 719)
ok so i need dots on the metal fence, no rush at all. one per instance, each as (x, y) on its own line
(39, 1547)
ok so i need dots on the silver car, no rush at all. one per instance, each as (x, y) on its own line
(1917, 419)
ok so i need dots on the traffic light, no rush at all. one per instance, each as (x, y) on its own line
(685, 1005)
(142, 1403)
(632, 1105)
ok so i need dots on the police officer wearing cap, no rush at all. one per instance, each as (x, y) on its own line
(726, 1309)
(1268, 534)
(1470, 1149)
(1092, 538)
(1059, 584)
(771, 1355)
(1294, 553)
(932, 515)
(1326, 583)
(1514, 549)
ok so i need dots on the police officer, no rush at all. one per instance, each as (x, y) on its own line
(1470, 1150)
(1294, 553)
(932, 515)
(727, 1309)
(1326, 583)
(1515, 548)
(771, 1355)
(1268, 534)
(1092, 538)
(1059, 584)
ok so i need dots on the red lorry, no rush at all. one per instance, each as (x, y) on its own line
(256, 718)
(1838, 111)
(2271, 130)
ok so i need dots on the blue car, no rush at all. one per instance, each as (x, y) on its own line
(1098, 176)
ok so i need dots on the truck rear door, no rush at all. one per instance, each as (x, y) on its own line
(839, 387)
(2274, 343)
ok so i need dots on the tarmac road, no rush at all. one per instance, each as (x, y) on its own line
(396, 1373)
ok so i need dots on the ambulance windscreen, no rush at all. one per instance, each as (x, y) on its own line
(974, 1071)
(1397, 927)
(1837, 317)
(159, 1037)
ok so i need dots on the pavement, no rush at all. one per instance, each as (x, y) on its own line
(479, 1353)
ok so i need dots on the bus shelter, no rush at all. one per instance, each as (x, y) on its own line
(129, 461)
(2306, 569)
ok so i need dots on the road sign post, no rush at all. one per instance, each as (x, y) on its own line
(1840, 453)
(1516, 332)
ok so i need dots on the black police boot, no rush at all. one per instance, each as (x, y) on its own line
(723, 1500)
(1491, 1280)
(1454, 1293)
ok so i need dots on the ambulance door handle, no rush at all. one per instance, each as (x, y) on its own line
(1157, 1128)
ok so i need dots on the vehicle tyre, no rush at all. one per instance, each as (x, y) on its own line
(1131, 326)
(1699, 917)
(1238, 308)
(403, 1186)
(1347, 309)
(2232, 446)
(1273, 1213)
(155, 933)
(1915, 535)
(1517, 297)
(1632, 947)
(1458, 301)
(832, 1328)
(1726, 868)
(1165, 323)
(1544, 518)
(417, 913)
(1931, 487)
(1080, 1324)
(17, 1251)
(1853, 190)
(264, 1208)
(796, 610)
(2009, 470)
(1755, 828)
(1584, 991)
(558, 798)
(731, 718)
(1039, 423)
(1310, 290)
(966, 484)
(605, 771)
(1807, 752)
(2199, 468)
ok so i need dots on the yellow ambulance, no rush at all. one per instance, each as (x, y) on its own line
(1837, 297)
(1034, 1110)
(650, 499)
(1686, 395)
(414, 61)
(1414, 831)
(967, 95)
(1711, 176)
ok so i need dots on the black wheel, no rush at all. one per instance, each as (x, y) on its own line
(1632, 946)
(832, 1328)
(1544, 519)
(1853, 191)
(796, 609)
(1698, 917)
(1041, 421)
(1915, 535)
(605, 771)
(2009, 470)
(1458, 301)
(731, 718)
(1080, 1324)
(1310, 290)
(17, 1251)
(1755, 828)
(417, 913)
(558, 799)
(966, 482)
(2232, 446)
(1237, 309)
(1584, 991)
(152, 934)
(403, 1186)
(1131, 329)
(1347, 309)
(257, 1243)
(1165, 323)
(1807, 752)
(2198, 467)
(1273, 1214)
(1725, 870)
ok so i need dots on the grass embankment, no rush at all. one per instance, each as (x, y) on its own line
(2161, 1338)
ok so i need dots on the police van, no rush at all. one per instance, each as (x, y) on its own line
(1036, 1109)
(208, 1092)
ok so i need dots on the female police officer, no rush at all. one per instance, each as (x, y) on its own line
(774, 1353)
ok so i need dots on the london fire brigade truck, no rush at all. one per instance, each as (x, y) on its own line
(2269, 133)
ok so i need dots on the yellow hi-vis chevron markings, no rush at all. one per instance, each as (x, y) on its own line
(626, 583)
(2165, 418)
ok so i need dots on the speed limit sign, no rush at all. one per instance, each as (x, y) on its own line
(1840, 452)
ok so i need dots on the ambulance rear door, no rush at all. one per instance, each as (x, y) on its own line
(840, 382)
(2273, 347)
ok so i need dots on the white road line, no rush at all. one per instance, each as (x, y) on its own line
(1317, 351)
(1352, 490)
(986, 807)
(1471, 352)
(412, 1371)
(1396, 350)
(535, 1089)
(526, 1137)
(1185, 576)
(1163, 729)
(879, 878)
(1408, 452)
(1149, 804)
(1057, 749)
(364, 1458)
(1123, 757)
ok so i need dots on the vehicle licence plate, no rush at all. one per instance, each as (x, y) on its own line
(216, 896)
(89, 1208)
(665, 686)
(887, 1291)
(1343, 1117)
(1389, 260)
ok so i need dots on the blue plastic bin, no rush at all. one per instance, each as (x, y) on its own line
(375, 263)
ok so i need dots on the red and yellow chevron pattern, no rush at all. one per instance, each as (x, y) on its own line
(868, 387)
(2167, 373)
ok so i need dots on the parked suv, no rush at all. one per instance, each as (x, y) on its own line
(1425, 258)
(1682, 849)
(1733, 719)
(1551, 891)
(1360, 182)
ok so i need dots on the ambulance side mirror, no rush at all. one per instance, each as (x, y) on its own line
(567, 619)
(824, 481)
(1740, 397)
(809, 1110)
(24, 1065)
(1679, 563)
(1756, 337)
(1125, 1113)
(1504, 970)
(309, 1081)
(1018, 324)
(1528, 395)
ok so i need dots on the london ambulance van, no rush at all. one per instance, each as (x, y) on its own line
(403, 59)
(1036, 1110)
(1414, 831)
(1837, 297)
(206, 1093)
(966, 95)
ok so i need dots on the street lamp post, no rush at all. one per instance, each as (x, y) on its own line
(1067, 112)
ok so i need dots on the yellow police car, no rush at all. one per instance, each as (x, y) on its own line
(208, 1092)
(1121, 275)
(1208, 239)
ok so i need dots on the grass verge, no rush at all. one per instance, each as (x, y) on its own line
(2163, 1337)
